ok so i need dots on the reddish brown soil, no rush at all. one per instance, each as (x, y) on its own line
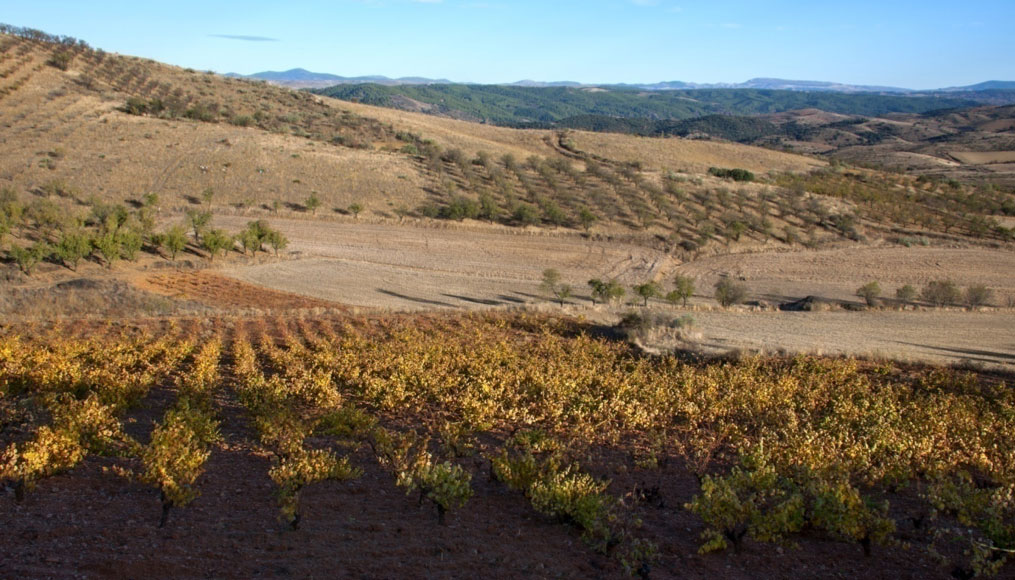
(90, 524)
(215, 290)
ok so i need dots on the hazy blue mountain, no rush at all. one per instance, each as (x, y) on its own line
(302, 78)
(985, 86)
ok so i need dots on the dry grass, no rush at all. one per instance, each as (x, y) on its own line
(451, 133)
(66, 125)
(689, 155)
(837, 273)
(984, 157)
(422, 268)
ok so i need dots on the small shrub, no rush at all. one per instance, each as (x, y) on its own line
(108, 246)
(752, 500)
(551, 284)
(941, 292)
(459, 209)
(312, 203)
(683, 288)
(647, 291)
(173, 241)
(61, 59)
(655, 327)
(587, 218)
(978, 295)
(606, 292)
(728, 292)
(525, 214)
(906, 293)
(215, 242)
(446, 484)
(734, 174)
(277, 241)
(870, 293)
(130, 244)
(72, 247)
(28, 258)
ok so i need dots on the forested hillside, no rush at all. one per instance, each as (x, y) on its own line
(525, 106)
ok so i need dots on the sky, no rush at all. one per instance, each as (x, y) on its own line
(913, 44)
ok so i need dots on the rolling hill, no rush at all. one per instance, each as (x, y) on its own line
(519, 106)
(85, 128)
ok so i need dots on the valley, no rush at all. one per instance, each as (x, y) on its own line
(248, 331)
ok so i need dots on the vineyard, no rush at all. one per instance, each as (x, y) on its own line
(487, 444)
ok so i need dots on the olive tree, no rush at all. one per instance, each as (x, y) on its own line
(728, 292)
(869, 292)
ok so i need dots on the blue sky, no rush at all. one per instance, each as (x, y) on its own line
(920, 45)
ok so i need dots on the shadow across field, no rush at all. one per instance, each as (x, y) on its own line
(978, 355)
(483, 301)
(416, 299)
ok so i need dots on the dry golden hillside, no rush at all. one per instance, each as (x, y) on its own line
(82, 126)
(113, 128)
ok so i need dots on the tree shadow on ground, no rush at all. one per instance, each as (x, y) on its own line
(416, 299)
(483, 301)
(969, 353)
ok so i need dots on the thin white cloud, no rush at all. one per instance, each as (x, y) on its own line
(245, 37)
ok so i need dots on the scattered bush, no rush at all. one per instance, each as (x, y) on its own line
(753, 500)
(870, 293)
(551, 284)
(61, 59)
(525, 215)
(906, 293)
(459, 209)
(72, 247)
(941, 292)
(28, 258)
(198, 221)
(605, 292)
(728, 292)
(734, 174)
(683, 288)
(312, 203)
(978, 295)
(647, 291)
(215, 242)
(173, 241)
(277, 241)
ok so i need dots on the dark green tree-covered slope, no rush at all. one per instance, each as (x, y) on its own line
(541, 106)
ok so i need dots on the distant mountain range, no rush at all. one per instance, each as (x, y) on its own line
(302, 78)
(299, 78)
